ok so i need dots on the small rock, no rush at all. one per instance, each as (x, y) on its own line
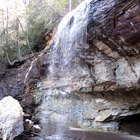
(103, 116)
(30, 127)
(37, 128)
(28, 124)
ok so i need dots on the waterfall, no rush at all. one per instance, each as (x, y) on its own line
(65, 71)
(70, 36)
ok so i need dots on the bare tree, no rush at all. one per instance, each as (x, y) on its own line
(6, 38)
(18, 46)
(26, 32)
(70, 5)
(79, 1)
(26, 36)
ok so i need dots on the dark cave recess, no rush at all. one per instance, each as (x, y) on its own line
(131, 124)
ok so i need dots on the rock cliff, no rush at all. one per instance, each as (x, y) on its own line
(91, 73)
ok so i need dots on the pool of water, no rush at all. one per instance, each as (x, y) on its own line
(58, 132)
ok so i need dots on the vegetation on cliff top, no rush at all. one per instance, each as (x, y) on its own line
(23, 24)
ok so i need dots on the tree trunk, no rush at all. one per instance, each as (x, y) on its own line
(19, 56)
(79, 1)
(70, 5)
(6, 39)
(26, 35)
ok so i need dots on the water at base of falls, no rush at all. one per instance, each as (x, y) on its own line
(80, 134)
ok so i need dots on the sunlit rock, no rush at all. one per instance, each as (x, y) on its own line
(11, 118)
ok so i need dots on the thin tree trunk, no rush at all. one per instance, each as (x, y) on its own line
(19, 56)
(27, 28)
(70, 5)
(79, 1)
(6, 39)
(26, 36)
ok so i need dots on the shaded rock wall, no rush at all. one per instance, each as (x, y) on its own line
(20, 83)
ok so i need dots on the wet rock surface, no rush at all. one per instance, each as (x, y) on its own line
(93, 111)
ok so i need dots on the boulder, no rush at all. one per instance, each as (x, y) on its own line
(11, 118)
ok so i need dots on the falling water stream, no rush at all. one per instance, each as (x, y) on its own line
(70, 37)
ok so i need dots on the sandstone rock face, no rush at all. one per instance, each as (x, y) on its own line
(11, 118)
(91, 74)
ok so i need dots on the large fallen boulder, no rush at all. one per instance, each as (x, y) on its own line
(11, 118)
